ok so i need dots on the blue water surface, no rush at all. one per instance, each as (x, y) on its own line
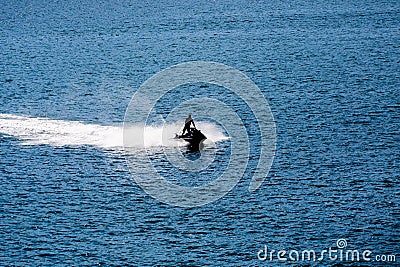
(328, 69)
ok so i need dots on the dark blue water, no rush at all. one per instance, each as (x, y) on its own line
(329, 70)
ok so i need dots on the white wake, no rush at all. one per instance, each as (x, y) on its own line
(38, 131)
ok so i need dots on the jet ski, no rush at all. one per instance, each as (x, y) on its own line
(194, 137)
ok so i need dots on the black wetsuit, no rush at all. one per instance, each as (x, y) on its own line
(187, 126)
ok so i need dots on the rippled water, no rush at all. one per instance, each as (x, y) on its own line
(329, 70)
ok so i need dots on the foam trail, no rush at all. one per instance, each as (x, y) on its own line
(37, 131)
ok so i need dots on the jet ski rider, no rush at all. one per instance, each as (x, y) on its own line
(188, 122)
